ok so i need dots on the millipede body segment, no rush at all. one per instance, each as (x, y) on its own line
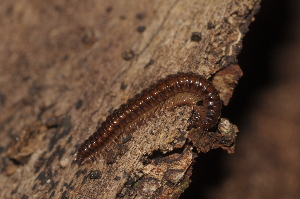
(204, 116)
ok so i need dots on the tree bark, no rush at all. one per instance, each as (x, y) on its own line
(67, 65)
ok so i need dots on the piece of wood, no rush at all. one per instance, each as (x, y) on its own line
(66, 65)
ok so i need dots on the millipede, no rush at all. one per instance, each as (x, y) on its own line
(205, 115)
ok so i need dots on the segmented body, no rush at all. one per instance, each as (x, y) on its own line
(113, 126)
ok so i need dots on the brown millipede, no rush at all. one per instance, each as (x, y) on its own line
(205, 114)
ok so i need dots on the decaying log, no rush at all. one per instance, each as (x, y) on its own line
(65, 66)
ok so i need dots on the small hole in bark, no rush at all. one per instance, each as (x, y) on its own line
(196, 36)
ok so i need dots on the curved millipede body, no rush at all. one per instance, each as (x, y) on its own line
(204, 118)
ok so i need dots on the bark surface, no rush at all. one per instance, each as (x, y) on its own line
(66, 65)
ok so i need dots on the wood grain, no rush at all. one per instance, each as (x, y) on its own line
(78, 61)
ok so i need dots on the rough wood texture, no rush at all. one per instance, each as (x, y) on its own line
(65, 65)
